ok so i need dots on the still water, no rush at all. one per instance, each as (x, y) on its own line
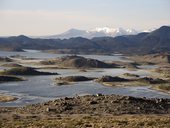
(43, 88)
(38, 54)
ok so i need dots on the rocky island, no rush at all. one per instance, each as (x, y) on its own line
(78, 62)
(24, 71)
(6, 78)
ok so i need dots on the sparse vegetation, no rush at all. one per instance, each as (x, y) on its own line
(164, 71)
(164, 87)
(89, 111)
(84, 121)
(153, 58)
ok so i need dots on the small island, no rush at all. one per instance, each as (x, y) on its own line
(78, 62)
(6, 78)
(69, 79)
(13, 65)
(144, 81)
(24, 71)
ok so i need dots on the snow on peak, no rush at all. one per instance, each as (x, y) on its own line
(97, 32)
(149, 30)
(104, 29)
(114, 31)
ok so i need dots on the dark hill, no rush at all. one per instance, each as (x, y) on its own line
(143, 43)
(156, 41)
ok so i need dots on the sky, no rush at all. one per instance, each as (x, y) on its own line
(50, 17)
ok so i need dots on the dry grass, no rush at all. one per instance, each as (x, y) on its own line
(4, 98)
(84, 121)
(163, 87)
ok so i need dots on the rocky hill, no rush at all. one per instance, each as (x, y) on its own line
(78, 62)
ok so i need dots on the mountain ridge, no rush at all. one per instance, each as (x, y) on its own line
(141, 43)
(97, 32)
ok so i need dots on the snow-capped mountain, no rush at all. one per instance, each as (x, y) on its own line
(116, 31)
(97, 32)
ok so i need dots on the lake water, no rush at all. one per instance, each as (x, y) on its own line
(39, 54)
(43, 88)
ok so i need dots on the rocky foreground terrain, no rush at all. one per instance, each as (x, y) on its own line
(98, 111)
(100, 104)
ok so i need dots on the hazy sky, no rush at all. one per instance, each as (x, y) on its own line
(46, 17)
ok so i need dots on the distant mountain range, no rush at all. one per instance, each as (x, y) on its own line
(141, 43)
(97, 32)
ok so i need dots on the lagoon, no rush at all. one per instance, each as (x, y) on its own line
(43, 88)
